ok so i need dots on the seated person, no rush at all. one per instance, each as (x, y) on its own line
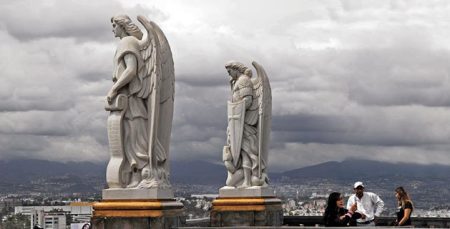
(336, 215)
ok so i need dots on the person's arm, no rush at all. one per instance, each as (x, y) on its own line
(343, 220)
(406, 216)
(406, 213)
(350, 201)
(379, 205)
(336, 220)
(127, 75)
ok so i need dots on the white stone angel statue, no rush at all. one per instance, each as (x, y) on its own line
(248, 133)
(141, 106)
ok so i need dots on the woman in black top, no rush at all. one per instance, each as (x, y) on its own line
(336, 215)
(405, 207)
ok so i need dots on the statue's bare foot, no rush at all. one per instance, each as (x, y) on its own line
(244, 186)
(149, 183)
(254, 187)
(145, 173)
(135, 178)
(228, 187)
(133, 184)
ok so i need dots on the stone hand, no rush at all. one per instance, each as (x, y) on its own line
(230, 167)
(111, 94)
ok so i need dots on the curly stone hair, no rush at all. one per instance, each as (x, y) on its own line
(240, 67)
(129, 27)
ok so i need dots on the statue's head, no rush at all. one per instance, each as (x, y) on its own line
(123, 26)
(235, 69)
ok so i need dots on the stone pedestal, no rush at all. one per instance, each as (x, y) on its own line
(246, 211)
(256, 191)
(112, 214)
(139, 194)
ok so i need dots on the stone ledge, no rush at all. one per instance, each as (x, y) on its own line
(246, 204)
(254, 211)
(133, 208)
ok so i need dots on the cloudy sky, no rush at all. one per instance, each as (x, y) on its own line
(350, 79)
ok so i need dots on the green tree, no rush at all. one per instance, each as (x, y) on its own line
(17, 221)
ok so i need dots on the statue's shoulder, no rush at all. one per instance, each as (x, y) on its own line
(129, 40)
(244, 81)
(128, 44)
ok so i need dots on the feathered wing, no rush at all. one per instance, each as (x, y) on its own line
(167, 92)
(158, 78)
(263, 92)
(148, 72)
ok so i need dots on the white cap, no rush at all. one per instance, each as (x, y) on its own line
(357, 184)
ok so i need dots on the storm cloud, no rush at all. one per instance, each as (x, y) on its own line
(350, 79)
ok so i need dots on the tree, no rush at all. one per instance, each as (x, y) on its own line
(16, 221)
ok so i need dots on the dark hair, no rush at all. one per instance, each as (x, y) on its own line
(332, 208)
(332, 198)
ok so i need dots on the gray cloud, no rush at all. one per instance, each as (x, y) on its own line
(82, 20)
(294, 155)
(349, 78)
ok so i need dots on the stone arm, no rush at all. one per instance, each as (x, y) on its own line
(245, 86)
(128, 74)
(248, 101)
(227, 159)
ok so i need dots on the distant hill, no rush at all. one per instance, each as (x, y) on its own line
(24, 171)
(366, 169)
(202, 172)
(197, 172)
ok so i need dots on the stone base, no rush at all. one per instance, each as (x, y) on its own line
(136, 194)
(232, 212)
(227, 192)
(137, 214)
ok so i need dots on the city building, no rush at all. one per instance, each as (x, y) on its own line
(54, 217)
(48, 220)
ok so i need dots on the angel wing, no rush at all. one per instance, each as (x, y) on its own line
(263, 92)
(158, 79)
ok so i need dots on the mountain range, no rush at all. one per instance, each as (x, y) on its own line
(202, 172)
(367, 169)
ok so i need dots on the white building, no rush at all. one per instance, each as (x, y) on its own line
(55, 216)
(48, 220)
(79, 225)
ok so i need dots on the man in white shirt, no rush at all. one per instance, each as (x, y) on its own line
(369, 205)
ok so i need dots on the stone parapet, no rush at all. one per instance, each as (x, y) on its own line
(137, 214)
(262, 211)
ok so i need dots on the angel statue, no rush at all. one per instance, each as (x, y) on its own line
(141, 106)
(249, 119)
